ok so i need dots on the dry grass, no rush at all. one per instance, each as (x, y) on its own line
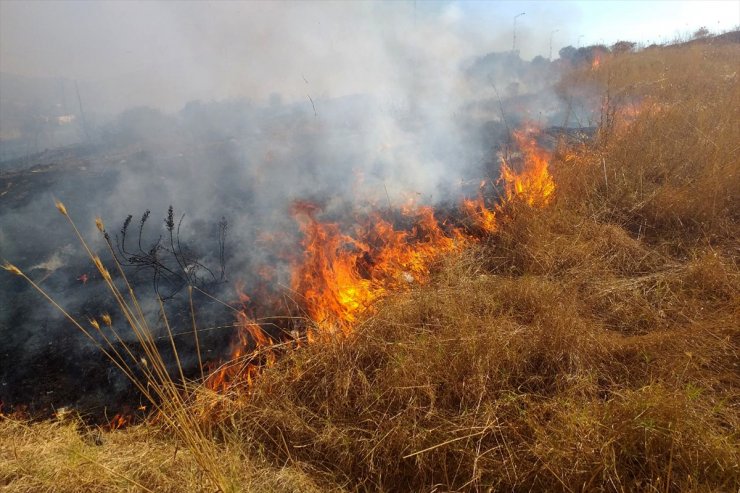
(66, 456)
(513, 382)
(588, 346)
(673, 174)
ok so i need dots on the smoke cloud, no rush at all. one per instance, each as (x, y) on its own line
(234, 111)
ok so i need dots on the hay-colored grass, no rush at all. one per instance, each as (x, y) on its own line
(66, 456)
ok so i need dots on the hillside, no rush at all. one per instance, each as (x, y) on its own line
(587, 343)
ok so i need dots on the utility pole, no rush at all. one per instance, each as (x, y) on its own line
(551, 35)
(513, 44)
(578, 44)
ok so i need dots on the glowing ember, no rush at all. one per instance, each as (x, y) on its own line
(118, 421)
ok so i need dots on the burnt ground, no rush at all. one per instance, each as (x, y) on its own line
(45, 362)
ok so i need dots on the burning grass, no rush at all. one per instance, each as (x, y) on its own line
(587, 341)
(584, 361)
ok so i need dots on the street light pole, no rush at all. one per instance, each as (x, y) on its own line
(513, 44)
(551, 35)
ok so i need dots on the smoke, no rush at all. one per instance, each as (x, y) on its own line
(234, 110)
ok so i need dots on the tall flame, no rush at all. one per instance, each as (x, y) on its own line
(533, 184)
(246, 350)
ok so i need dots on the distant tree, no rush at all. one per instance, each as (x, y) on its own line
(602, 49)
(539, 61)
(700, 33)
(568, 53)
(584, 55)
(621, 47)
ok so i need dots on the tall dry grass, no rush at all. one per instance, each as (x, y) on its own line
(672, 174)
(170, 395)
(67, 456)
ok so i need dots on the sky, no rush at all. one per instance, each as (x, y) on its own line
(601, 21)
(237, 49)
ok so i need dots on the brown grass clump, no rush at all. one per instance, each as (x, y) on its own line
(505, 382)
(65, 456)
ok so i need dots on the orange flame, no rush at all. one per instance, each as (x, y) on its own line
(118, 421)
(243, 364)
(596, 62)
(340, 275)
(483, 217)
(534, 184)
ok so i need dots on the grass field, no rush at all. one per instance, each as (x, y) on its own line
(590, 345)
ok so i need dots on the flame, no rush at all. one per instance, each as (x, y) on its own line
(339, 276)
(246, 350)
(482, 217)
(342, 273)
(534, 184)
(118, 421)
(596, 62)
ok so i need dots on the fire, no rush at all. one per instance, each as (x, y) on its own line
(342, 273)
(243, 363)
(596, 62)
(483, 217)
(118, 421)
(533, 184)
(339, 276)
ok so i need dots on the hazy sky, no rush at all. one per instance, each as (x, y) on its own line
(603, 21)
(233, 49)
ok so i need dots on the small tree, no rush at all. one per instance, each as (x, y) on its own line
(621, 47)
(568, 53)
(701, 33)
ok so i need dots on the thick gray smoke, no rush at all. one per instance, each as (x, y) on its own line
(230, 110)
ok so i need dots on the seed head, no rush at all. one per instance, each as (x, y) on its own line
(101, 268)
(99, 224)
(61, 208)
(94, 323)
(106, 319)
(12, 268)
